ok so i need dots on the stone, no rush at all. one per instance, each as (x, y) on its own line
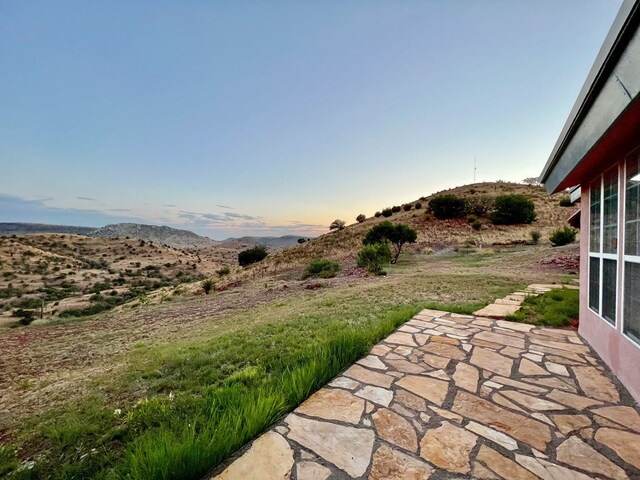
(511, 352)
(312, 471)
(520, 427)
(480, 471)
(333, 404)
(435, 361)
(520, 327)
(401, 338)
(281, 430)
(444, 350)
(533, 356)
(408, 329)
(543, 418)
(506, 340)
(519, 385)
(625, 416)
(344, 382)
(577, 453)
(348, 448)
(569, 423)
(503, 466)
(527, 367)
(421, 338)
(483, 343)
(396, 407)
(371, 361)
(441, 374)
(269, 458)
(557, 368)
(532, 403)
(404, 351)
(453, 331)
(575, 401)
(380, 350)
(406, 366)
(549, 471)
(394, 429)
(596, 385)
(492, 361)
(424, 417)
(553, 382)
(500, 400)
(390, 464)
(493, 435)
(428, 388)
(378, 395)
(491, 384)
(448, 447)
(466, 377)
(625, 444)
(365, 375)
(410, 400)
(495, 310)
(447, 340)
(571, 347)
(586, 433)
(446, 414)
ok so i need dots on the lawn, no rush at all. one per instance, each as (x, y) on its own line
(557, 308)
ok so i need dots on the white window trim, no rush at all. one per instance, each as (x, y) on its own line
(626, 258)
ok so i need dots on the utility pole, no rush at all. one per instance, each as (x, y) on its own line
(475, 165)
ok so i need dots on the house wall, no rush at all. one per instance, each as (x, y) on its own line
(621, 354)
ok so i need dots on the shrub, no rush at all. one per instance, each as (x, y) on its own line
(224, 271)
(397, 234)
(418, 206)
(395, 209)
(373, 257)
(512, 209)
(378, 214)
(476, 225)
(535, 236)
(480, 206)
(252, 255)
(407, 207)
(337, 224)
(361, 218)
(302, 240)
(471, 218)
(565, 202)
(387, 212)
(448, 206)
(563, 236)
(207, 285)
(322, 268)
(25, 316)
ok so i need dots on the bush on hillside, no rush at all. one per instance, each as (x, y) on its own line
(480, 206)
(302, 240)
(448, 206)
(565, 202)
(373, 257)
(377, 214)
(207, 285)
(337, 224)
(418, 206)
(476, 225)
(397, 234)
(387, 212)
(252, 255)
(361, 218)
(396, 209)
(563, 236)
(321, 268)
(535, 236)
(407, 207)
(513, 209)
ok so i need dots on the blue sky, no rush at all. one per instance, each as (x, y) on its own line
(266, 118)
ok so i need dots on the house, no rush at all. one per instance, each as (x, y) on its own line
(599, 151)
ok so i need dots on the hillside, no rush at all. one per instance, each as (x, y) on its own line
(162, 235)
(17, 228)
(271, 242)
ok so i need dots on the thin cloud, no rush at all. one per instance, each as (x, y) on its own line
(170, 205)
(87, 199)
(224, 206)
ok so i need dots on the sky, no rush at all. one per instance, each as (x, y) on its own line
(235, 118)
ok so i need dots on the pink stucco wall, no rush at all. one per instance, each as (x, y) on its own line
(618, 352)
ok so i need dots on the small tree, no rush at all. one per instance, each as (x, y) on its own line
(513, 209)
(531, 181)
(448, 206)
(387, 212)
(361, 218)
(373, 257)
(396, 234)
(377, 214)
(207, 285)
(337, 224)
(302, 240)
(563, 236)
(252, 255)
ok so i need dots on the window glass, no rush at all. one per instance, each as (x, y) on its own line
(594, 283)
(609, 274)
(632, 300)
(610, 212)
(632, 209)
(594, 217)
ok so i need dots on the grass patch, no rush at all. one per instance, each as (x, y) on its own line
(557, 308)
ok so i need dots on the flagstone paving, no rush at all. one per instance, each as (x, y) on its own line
(451, 396)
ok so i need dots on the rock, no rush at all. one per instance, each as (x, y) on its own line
(576, 453)
(493, 435)
(390, 464)
(378, 395)
(447, 340)
(435, 361)
(492, 361)
(312, 471)
(429, 388)
(401, 338)
(406, 366)
(576, 401)
(333, 404)
(557, 369)
(520, 427)
(549, 471)
(269, 458)
(500, 400)
(371, 361)
(446, 414)
(344, 382)
(625, 416)
(380, 350)
(448, 447)
(410, 400)
(569, 423)
(348, 448)
(506, 340)
(444, 350)
(503, 466)
(532, 403)
(625, 444)
(365, 375)
(466, 377)
(527, 367)
(596, 385)
(394, 429)
(521, 327)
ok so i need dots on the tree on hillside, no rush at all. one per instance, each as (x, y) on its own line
(361, 218)
(513, 209)
(337, 224)
(397, 234)
(252, 255)
(531, 181)
(448, 206)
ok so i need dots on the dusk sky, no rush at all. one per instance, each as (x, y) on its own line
(234, 118)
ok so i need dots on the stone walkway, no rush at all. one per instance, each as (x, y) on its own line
(451, 396)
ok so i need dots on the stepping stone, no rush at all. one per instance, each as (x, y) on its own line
(520, 327)
(371, 361)
(466, 377)
(378, 395)
(625, 444)
(395, 429)
(493, 435)
(448, 447)
(428, 388)
(596, 385)
(344, 382)
(532, 403)
(503, 466)
(391, 464)
(626, 416)
(333, 404)
(312, 471)
(401, 338)
(575, 401)
(506, 340)
(405, 366)
(577, 453)
(444, 350)
(491, 361)
(497, 311)
(557, 368)
(549, 471)
(527, 367)
(570, 423)
(410, 400)
(367, 376)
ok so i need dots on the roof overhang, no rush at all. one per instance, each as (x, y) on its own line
(609, 96)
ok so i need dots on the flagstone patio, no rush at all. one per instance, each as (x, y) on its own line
(456, 396)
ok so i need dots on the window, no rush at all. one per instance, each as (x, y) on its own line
(603, 245)
(631, 306)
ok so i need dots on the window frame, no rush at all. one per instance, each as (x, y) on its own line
(624, 257)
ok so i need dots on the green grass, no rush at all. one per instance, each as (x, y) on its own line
(557, 308)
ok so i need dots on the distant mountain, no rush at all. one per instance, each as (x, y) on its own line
(162, 235)
(273, 242)
(18, 228)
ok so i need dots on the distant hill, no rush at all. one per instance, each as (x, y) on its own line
(161, 235)
(18, 228)
(273, 242)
